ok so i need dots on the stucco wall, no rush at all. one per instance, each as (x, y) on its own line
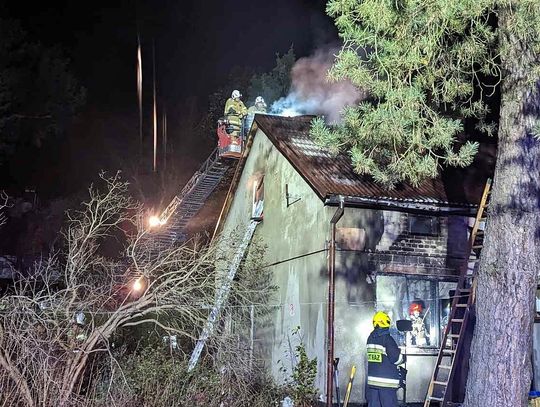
(291, 232)
(297, 230)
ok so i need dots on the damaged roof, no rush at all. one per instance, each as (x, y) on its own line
(331, 176)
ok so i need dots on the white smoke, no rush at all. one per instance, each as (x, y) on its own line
(312, 93)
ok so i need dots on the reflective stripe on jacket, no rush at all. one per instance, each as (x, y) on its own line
(383, 357)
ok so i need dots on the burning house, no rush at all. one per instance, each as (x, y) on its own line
(397, 251)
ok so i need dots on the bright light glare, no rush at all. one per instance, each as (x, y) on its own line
(154, 221)
(138, 285)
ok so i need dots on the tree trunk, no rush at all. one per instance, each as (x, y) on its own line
(500, 365)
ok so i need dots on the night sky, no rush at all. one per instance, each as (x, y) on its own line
(197, 44)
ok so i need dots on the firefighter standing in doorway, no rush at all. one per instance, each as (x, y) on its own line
(384, 357)
(235, 111)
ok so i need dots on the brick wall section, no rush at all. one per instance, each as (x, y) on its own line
(402, 252)
(407, 243)
(410, 264)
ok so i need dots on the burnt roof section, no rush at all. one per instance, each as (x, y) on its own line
(334, 175)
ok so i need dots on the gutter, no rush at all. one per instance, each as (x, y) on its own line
(436, 208)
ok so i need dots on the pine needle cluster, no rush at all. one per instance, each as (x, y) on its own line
(427, 65)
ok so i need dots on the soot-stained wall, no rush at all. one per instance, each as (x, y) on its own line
(296, 230)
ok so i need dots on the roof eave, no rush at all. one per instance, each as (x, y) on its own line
(434, 208)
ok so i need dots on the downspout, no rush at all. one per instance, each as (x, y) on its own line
(331, 302)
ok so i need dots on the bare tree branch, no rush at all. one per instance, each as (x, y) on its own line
(45, 345)
(63, 318)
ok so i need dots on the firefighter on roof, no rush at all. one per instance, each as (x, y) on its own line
(235, 111)
(258, 107)
(383, 357)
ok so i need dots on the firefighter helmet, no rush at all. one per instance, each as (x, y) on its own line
(236, 94)
(259, 99)
(381, 320)
(415, 306)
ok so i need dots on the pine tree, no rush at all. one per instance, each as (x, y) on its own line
(429, 65)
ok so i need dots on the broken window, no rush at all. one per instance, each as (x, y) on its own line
(423, 225)
(258, 199)
(425, 302)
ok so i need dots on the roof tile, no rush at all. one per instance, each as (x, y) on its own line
(330, 175)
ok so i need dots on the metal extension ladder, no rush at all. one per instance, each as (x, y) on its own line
(453, 339)
(189, 201)
(223, 291)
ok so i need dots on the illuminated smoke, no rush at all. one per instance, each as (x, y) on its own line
(312, 93)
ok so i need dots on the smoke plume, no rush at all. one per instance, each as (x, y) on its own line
(312, 93)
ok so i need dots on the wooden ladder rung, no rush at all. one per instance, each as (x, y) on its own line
(435, 398)
(453, 335)
(448, 367)
(478, 246)
(464, 290)
(449, 351)
(460, 320)
(461, 305)
(440, 383)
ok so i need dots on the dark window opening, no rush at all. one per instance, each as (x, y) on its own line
(423, 225)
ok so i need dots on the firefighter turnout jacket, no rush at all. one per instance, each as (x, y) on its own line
(235, 110)
(383, 357)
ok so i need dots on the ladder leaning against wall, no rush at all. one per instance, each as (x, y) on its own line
(225, 288)
(451, 350)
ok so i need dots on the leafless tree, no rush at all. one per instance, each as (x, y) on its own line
(230, 373)
(66, 312)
